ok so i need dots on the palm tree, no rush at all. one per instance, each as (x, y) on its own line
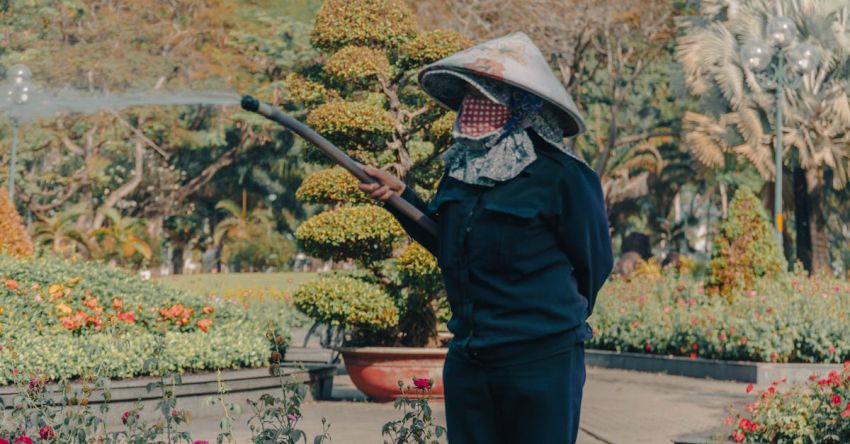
(738, 114)
(120, 239)
(235, 226)
(60, 232)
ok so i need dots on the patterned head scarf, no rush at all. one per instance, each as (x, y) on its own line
(492, 143)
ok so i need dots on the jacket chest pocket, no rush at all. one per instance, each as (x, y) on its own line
(446, 205)
(514, 232)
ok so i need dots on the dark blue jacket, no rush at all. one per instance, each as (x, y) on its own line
(522, 261)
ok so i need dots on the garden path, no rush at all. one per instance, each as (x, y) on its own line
(621, 407)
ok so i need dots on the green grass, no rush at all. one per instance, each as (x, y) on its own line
(226, 284)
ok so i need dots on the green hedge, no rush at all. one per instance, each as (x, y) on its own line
(69, 319)
(789, 318)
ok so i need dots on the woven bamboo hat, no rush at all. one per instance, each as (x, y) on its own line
(513, 60)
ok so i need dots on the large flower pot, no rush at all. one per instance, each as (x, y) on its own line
(377, 370)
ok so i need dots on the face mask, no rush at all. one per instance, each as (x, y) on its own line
(479, 116)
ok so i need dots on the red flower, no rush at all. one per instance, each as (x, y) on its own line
(126, 417)
(23, 439)
(835, 399)
(728, 421)
(694, 346)
(128, 317)
(46, 433)
(753, 427)
(749, 388)
(744, 423)
(693, 355)
(648, 347)
(813, 377)
(4, 441)
(423, 383)
(11, 284)
(738, 436)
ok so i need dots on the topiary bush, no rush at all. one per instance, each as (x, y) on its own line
(746, 248)
(331, 186)
(14, 238)
(371, 107)
(367, 233)
(345, 301)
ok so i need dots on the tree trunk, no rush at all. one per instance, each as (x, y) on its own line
(802, 218)
(812, 234)
(177, 259)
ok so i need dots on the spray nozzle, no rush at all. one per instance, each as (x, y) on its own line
(249, 103)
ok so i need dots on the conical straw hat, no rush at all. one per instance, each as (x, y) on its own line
(512, 59)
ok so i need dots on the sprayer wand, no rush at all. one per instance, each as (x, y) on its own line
(335, 154)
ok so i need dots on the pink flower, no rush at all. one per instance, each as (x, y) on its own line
(831, 349)
(836, 400)
(693, 355)
(423, 383)
(46, 433)
(729, 420)
(23, 439)
(201, 442)
(749, 388)
(4, 441)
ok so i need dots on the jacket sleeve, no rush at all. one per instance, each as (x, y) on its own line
(582, 227)
(419, 234)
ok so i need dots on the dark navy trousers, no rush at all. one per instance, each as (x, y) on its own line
(537, 401)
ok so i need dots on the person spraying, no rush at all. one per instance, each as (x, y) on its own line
(522, 240)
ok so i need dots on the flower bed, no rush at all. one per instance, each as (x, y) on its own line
(818, 411)
(65, 320)
(788, 319)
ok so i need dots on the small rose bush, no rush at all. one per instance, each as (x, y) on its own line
(55, 315)
(818, 411)
(790, 318)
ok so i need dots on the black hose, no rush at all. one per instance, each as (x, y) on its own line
(335, 154)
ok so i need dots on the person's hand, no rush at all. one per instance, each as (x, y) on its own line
(386, 186)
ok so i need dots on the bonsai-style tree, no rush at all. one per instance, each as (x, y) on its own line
(14, 239)
(362, 95)
(746, 249)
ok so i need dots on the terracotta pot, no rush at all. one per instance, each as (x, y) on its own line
(377, 370)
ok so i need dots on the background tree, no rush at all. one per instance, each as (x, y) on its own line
(737, 117)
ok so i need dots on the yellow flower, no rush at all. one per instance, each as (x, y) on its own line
(55, 290)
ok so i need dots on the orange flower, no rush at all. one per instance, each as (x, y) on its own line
(91, 303)
(204, 324)
(117, 304)
(11, 284)
(207, 310)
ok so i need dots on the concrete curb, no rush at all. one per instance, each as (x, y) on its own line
(197, 388)
(740, 371)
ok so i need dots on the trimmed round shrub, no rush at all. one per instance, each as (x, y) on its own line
(352, 125)
(366, 233)
(299, 92)
(746, 248)
(385, 23)
(428, 47)
(357, 63)
(329, 187)
(348, 302)
(418, 269)
(14, 238)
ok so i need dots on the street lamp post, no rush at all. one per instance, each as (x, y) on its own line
(771, 62)
(18, 93)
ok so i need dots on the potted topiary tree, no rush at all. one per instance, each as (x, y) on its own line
(362, 95)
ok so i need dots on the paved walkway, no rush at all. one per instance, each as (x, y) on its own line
(620, 407)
